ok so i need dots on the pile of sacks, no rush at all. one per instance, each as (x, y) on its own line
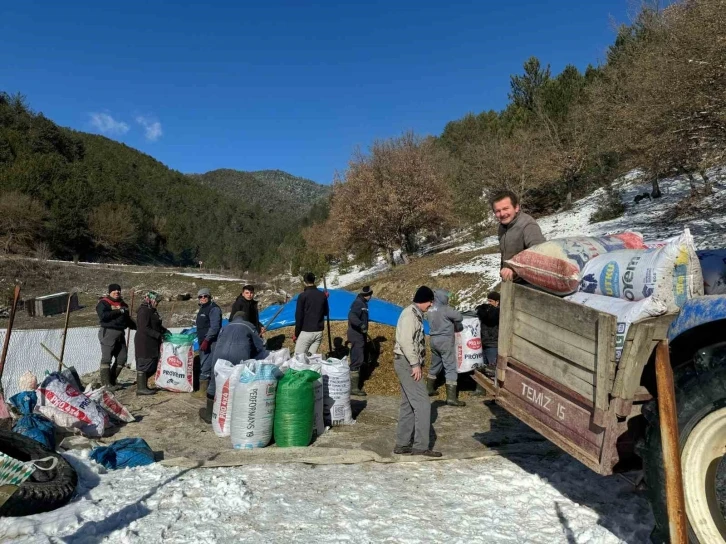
(59, 401)
(292, 399)
(619, 274)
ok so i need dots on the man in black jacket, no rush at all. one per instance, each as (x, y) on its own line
(310, 312)
(357, 335)
(209, 323)
(147, 342)
(114, 319)
(488, 315)
(246, 303)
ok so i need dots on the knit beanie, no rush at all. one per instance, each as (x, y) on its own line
(423, 294)
(114, 287)
(494, 296)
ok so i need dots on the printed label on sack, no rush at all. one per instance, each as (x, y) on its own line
(66, 407)
(610, 280)
(474, 343)
(222, 416)
(174, 361)
(72, 391)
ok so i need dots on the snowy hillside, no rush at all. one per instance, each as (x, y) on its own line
(707, 223)
(527, 499)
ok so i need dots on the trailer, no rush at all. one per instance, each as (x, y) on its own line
(557, 372)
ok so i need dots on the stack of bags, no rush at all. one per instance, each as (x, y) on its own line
(619, 274)
(291, 399)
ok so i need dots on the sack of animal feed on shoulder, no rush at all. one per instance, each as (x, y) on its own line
(253, 405)
(314, 363)
(108, 401)
(336, 392)
(175, 371)
(226, 376)
(469, 352)
(669, 273)
(555, 265)
(627, 312)
(295, 408)
(713, 264)
(29, 424)
(57, 392)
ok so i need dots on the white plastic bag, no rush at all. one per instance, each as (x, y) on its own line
(253, 407)
(626, 312)
(57, 392)
(713, 263)
(669, 273)
(175, 371)
(314, 363)
(469, 352)
(280, 358)
(108, 401)
(226, 375)
(336, 392)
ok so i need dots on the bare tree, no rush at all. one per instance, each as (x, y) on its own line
(21, 222)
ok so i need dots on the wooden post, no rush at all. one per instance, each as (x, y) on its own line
(16, 296)
(65, 333)
(131, 313)
(330, 340)
(675, 500)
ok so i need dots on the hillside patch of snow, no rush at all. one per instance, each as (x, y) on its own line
(647, 217)
(525, 499)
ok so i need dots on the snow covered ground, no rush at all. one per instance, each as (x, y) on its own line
(520, 500)
(646, 217)
(212, 277)
(356, 274)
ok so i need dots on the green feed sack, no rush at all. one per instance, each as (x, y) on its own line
(295, 408)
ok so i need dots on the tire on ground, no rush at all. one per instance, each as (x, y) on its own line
(44, 490)
(697, 395)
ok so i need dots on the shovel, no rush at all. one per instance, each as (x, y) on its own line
(4, 414)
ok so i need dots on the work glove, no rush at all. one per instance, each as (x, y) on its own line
(327, 294)
(294, 337)
(364, 329)
(204, 346)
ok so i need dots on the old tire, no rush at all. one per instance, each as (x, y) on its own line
(701, 402)
(44, 490)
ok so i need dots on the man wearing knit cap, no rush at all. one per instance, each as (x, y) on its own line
(114, 319)
(209, 323)
(357, 335)
(414, 418)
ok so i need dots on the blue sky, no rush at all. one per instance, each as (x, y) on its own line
(289, 85)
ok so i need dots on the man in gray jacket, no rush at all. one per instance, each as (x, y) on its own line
(409, 354)
(444, 322)
(517, 230)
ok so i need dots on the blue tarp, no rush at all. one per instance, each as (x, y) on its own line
(124, 453)
(339, 301)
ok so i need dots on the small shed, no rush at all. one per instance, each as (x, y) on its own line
(52, 304)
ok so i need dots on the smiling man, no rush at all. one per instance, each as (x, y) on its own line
(517, 230)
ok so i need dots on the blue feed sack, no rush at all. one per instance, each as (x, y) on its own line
(124, 453)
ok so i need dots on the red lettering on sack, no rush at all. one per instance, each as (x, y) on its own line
(174, 361)
(223, 404)
(65, 406)
(190, 367)
(474, 343)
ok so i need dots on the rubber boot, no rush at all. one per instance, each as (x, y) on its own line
(431, 386)
(205, 414)
(452, 396)
(141, 385)
(115, 373)
(105, 377)
(202, 391)
(355, 389)
(479, 391)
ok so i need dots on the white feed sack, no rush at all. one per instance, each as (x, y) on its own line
(226, 376)
(469, 352)
(175, 371)
(336, 392)
(626, 312)
(669, 274)
(253, 406)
